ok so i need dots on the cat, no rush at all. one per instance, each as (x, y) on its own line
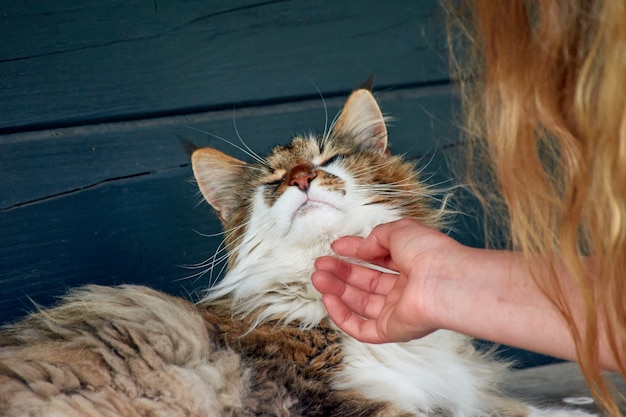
(260, 342)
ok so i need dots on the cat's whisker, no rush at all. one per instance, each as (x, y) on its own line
(250, 240)
(195, 276)
(220, 255)
(218, 234)
(238, 243)
(255, 155)
(334, 121)
(212, 260)
(218, 260)
(399, 185)
(257, 234)
(423, 167)
(358, 172)
(409, 180)
(330, 130)
(199, 275)
(234, 145)
(207, 262)
(326, 131)
(225, 233)
(223, 247)
(406, 197)
(220, 273)
(427, 185)
(208, 268)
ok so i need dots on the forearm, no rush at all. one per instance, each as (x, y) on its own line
(491, 295)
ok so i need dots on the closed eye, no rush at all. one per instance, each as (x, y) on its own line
(275, 183)
(333, 159)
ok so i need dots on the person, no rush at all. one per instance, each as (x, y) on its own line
(544, 104)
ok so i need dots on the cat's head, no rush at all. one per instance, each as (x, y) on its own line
(282, 211)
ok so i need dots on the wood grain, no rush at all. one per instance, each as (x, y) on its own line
(43, 164)
(66, 63)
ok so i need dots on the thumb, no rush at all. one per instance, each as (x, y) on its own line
(347, 246)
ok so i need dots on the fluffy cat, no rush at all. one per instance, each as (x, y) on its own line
(260, 342)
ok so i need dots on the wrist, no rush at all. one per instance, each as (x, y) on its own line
(444, 288)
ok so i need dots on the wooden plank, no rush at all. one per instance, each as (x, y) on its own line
(39, 165)
(138, 230)
(560, 386)
(67, 63)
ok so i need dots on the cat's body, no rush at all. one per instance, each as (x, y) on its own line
(132, 351)
(260, 343)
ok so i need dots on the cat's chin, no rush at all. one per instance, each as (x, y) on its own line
(307, 215)
(314, 216)
(311, 206)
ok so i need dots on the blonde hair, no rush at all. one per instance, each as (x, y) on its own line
(544, 96)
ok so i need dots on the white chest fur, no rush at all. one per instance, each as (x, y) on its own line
(438, 372)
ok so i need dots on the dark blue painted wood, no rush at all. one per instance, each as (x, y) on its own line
(68, 62)
(137, 230)
(38, 165)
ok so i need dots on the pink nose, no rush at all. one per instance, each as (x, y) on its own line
(301, 176)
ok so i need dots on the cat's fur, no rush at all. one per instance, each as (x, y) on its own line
(260, 343)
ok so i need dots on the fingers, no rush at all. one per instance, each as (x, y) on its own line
(358, 276)
(355, 326)
(353, 290)
(360, 248)
(347, 246)
(368, 249)
(376, 247)
(371, 305)
(360, 302)
(390, 245)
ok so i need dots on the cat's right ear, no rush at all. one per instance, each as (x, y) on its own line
(362, 121)
(216, 174)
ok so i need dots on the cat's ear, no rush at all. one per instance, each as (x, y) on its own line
(362, 120)
(216, 174)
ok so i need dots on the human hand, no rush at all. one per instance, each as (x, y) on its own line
(380, 307)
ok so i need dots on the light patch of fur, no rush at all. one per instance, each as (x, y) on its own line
(439, 372)
(127, 351)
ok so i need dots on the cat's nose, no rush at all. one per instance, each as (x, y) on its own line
(301, 176)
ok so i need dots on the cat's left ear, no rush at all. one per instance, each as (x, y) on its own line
(362, 120)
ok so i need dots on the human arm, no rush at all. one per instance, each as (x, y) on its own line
(486, 294)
